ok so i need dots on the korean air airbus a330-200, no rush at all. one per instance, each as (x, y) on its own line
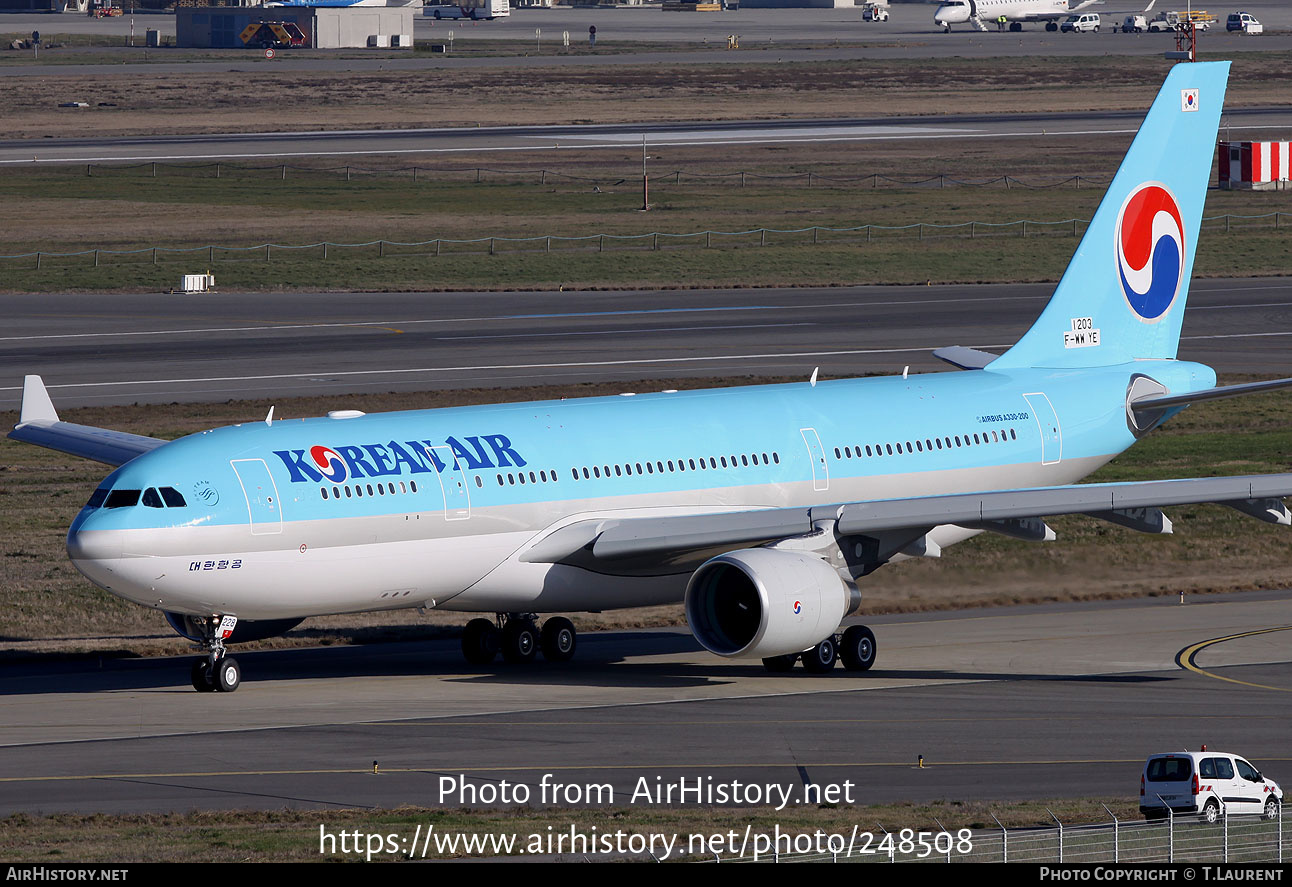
(760, 507)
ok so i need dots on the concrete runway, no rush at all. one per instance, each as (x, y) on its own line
(1027, 702)
(158, 349)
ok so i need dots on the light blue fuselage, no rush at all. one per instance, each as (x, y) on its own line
(428, 507)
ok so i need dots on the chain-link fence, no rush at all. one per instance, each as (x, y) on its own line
(649, 241)
(544, 176)
(1179, 839)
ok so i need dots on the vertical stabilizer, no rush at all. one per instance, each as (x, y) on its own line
(1124, 292)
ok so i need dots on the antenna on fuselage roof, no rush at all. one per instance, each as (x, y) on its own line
(269, 418)
(812, 381)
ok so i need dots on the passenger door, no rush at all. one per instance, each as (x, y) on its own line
(816, 454)
(453, 483)
(263, 507)
(1047, 422)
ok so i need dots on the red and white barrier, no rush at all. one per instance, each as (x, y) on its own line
(1254, 165)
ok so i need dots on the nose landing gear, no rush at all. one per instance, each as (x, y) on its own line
(217, 670)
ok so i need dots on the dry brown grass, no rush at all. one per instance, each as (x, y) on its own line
(759, 88)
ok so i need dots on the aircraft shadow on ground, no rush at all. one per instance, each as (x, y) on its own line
(601, 663)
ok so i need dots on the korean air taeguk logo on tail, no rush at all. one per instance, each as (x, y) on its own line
(1150, 250)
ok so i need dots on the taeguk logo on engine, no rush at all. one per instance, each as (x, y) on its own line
(1150, 250)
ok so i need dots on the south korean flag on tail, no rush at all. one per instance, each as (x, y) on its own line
(1188, 100)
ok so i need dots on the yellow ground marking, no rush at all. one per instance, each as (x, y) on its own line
(1185, 657)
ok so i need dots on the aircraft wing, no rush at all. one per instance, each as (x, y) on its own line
(38, 424)
(604, 541)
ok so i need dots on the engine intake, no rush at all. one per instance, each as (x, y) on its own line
(760, 602)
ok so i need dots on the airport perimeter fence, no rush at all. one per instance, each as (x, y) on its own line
(650, 241)
(543, 176)
(1179, 839)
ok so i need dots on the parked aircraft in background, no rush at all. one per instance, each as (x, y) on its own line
(760, 507)
(982, 13)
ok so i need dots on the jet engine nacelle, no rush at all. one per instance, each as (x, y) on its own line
(761, 602)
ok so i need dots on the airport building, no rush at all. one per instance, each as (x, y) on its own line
(798, 4)
(307, 27)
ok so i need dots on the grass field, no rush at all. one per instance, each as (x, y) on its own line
(576, 193)
(759, 86)
(585, 195)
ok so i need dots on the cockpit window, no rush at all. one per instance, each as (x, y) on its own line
(97, 497)
(122, 499)
(173, 497)
(152, 498)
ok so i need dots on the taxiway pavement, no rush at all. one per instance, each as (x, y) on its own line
(151, 348)
(1026, 702)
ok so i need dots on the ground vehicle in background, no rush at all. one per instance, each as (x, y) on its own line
(487, 10)
(273, 35)
(1087, 21)
(1171, 21)
(1245, 22)
(874, 12)
(1211, 784)
(1135, 23)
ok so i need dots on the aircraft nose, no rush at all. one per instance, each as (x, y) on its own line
(85, 543)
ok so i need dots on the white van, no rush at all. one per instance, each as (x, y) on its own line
(1245, 22)
(1087, 21)
(1211, 784)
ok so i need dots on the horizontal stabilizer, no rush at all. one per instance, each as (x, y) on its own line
(39, 424)
(1166, 401)
(965, 358)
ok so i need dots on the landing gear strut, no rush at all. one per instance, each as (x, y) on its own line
(217, 670)
(517, 637)
(855, 647)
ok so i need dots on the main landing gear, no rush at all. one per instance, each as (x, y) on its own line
(217, 670)
(518, 639)
(856, 647)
